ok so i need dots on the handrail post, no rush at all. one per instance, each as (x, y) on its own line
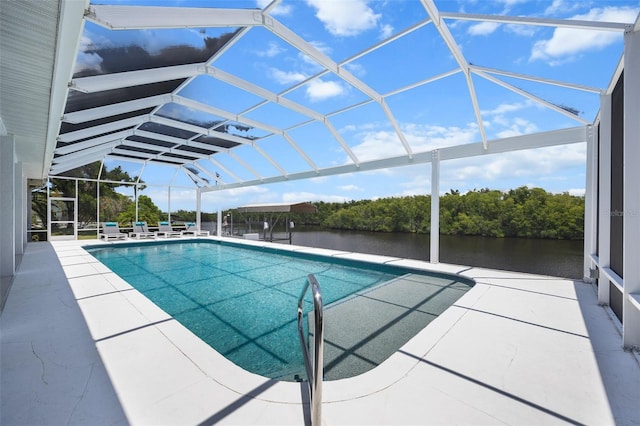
(314, 374)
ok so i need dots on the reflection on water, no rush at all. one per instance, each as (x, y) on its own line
(548, 257)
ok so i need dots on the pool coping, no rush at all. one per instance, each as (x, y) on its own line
(516, 348)
(243, 382)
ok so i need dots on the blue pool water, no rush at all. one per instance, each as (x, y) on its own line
(241, 301)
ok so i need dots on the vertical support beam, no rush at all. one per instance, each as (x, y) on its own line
(219, 223)
(29, 210)
(76, 206)
(198, 207)
(48, 209)
(135, 193)
(631, 172)
(604, 198)
(98, 204)
(20, 217)
(26, 210)
(434, 253)
(169, 204)
(590, 207)
(7, 206)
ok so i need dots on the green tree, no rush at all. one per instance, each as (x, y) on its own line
(521, 212)
(147, 212)
(111, 202)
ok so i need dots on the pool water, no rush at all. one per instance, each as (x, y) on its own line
(241, 301)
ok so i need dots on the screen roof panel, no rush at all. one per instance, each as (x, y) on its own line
(254, 93)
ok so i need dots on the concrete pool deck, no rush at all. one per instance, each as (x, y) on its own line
(80, 346)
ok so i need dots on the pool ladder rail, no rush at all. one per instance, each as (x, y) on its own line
(315, 372)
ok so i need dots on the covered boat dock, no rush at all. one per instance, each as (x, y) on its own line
(273, 214)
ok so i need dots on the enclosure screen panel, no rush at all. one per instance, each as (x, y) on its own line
(617, 183)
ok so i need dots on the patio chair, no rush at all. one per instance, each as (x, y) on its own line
(192, 229)
(165, 230)
(111, 231)
(141, 230)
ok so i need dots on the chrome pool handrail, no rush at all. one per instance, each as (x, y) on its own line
(315, 373)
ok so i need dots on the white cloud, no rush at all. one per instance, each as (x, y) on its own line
(363, 127)
(576, 192)
(376, 144)
(507, 108)
(520, 126)
(556, 6)
(356, 69)
(345, 18)
(500, 171)
(321, 46)
(566, 43)
(349, 188)
(230, 198)
(483, 28)
(558, 168)
(427, 137)
(87, 61)
(508, 4)
(504, 124)
(281, 9)
(319, 90)
(300, 197)
(181, 198)
(562, 6)
(273, 49)
(386, 31)
(419, 182)
(286, 77)
(521, 30)
(312, 65)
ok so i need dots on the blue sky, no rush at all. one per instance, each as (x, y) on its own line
(432, 116)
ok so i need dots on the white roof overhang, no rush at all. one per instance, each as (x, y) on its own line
(36, 67)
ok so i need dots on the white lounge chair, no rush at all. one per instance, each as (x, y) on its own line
(192, 229)
(141, 230)
(165, 230)
(111, 231)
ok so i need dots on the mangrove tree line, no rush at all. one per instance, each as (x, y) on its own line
(521, 212)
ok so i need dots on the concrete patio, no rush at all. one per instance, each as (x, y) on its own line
(80, 346)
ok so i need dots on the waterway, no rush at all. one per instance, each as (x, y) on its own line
(558, 258)
(548, 257)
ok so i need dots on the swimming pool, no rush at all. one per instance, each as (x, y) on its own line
(240, 300)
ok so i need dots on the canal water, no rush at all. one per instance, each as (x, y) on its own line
(558, 258)
(548, 257)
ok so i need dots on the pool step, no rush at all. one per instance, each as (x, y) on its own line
(366, 328)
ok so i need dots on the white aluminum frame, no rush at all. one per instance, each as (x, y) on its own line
(137, 17)
(631, 195)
